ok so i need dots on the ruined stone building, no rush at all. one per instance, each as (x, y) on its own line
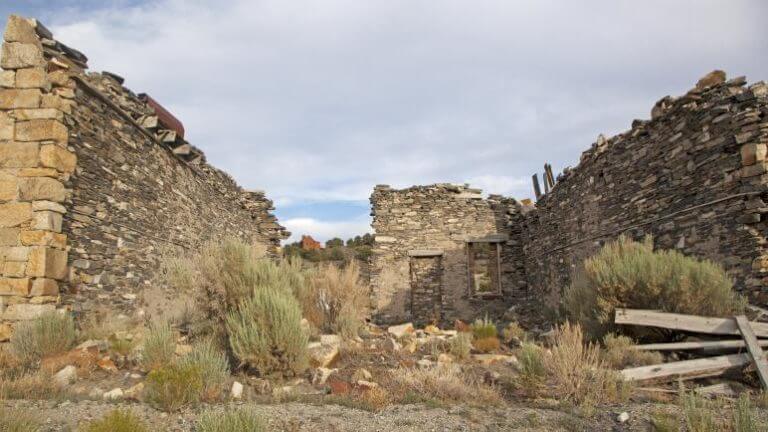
(694, 177)
(96, 183)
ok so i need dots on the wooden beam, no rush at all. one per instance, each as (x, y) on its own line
(710, 366)
(691, 323)
(536, 188)
(719, 389)
(758, 357)
(698, 345)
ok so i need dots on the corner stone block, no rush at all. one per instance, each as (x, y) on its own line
(14, 287)
(6, 127)
(18, 55)
(18, 154)
(44, 287)
(61, 159)
(42, 130)
(41, 238)
(14, 214)
(47, 221)
(47, 262)
(7, 79)
(41, 188)
(32, 78)
(20, 98)
(19, 29)
(24, 311)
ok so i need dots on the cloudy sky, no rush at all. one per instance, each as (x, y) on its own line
(317, 101)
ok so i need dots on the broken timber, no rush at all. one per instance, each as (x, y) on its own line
(698, 345)
(758, 357)
(690, 323)
(710, 366)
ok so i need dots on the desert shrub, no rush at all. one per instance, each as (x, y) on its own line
(664, 422)
(212, 364)
(159, 346)
(577, 371)
(532, 370)
(619, 352)
(50, 333)
(513, 332)
(744, 418)
(18, 421)
(334, 300)
(484, 328)
(28, 385)
(625, 273)
(486, 344)
(265, 332)
(238, 420)
(461, 345)
(172, 387)
(698, 412)
(444, 383)
(116, 421)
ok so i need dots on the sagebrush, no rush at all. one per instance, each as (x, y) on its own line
(213, 366)
(444, 383)
(50, 333)
(619, 352)
(236, 420)
(159, 346)
(173, 387)
(625, 273)
(18, 421)
(116, 421)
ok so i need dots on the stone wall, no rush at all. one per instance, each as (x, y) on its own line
(422, 232)
(693, 177)
(94, 190)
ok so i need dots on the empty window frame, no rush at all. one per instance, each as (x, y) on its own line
(484, 267)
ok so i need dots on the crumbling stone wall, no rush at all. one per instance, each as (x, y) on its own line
(422, 232)
(693, 176)
(93, 190)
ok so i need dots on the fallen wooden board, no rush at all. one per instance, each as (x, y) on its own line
(710, 366)
(688, 346)
(720, 389)
(758, 357)
(691, 323)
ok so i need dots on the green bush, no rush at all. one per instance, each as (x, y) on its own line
(625, 273)
(484, 328)
(172, 387)
(159, 346)
(240, 420)
(532, 369)
(116, 421)
(213, 366)
(18, 421)
(461, 345)
(619, 353)
(50, 333)
(265, 332)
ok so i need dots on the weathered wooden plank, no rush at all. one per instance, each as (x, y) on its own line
(689, 346)
(536, 188)
(710, 366)
(691, 323)
(719, 389)
(758, 357)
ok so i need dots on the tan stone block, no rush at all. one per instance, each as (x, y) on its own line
(14, 286)
(54, 156)
(42, 238)
(6, 127)
(14, 253)
(7, 79)
(41, 188)
(44, 287)
(54, 101)
(14, 214)
(42, 130)
(9, 188)
(20, 98)
(18, 154)
(37, 114)
(47, 221)
(10, 237)
(753, 153)
(47, 262)
(60, 78)
(18, 29)
(6, 331)
(38, 172)
(49, 206)
(32, 78)
(14, 269)
(18, 55)
(25, 311)
(43, 299)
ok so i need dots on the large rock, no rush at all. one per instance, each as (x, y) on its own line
(42, 130)
(17, 55)
(401, 330)
(19, 29)
(321, 375)
(47, 262)
(61, 159)
(711, 79)
(41, 188)
(237, 391)
(65, 377)
(322, 355)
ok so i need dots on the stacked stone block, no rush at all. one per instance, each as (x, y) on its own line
(35, 164)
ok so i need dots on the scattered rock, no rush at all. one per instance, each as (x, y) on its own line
(391, 345)
(366, 385)
(134, 393)
(321, 355)
(444, 358)
(361, 374)
(114, 394)
(424, 364)
(711, 79)
(93, 345)
(321, 375)
(338, 386)
(461, 326)
(432, 330)
(107, 364)
(237, 390)
(489, 359)
(623, 417)
(401, 330)
(65, 376)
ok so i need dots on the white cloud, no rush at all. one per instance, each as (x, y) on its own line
(324, 230)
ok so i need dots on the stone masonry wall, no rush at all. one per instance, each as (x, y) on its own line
(93, 193)
(694, 177)
(441, 218)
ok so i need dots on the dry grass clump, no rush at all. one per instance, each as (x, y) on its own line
(213, 366)
(18, 421)
(578, 373)
(116, 421)
(513, 333)
(159, 346)
(744, 417)
(444, 383)
(532, 372)
(50, 333)
(237, 420)
(172, 387)
(28, 385)
(460, 346)
(619, 353)
(485, 335)
(334, 300)
(698, 413)
(625, 273)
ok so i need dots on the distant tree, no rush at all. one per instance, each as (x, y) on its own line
(367, 240)
(334, 242)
